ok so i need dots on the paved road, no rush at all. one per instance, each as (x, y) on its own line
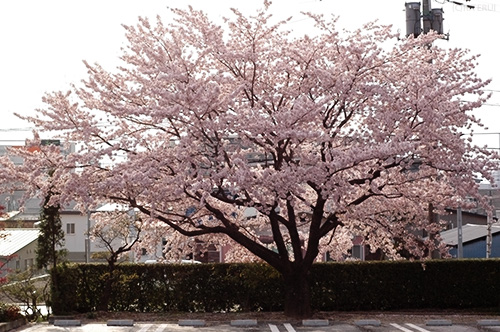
(261, 327)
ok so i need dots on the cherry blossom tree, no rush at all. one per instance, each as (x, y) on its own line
(117, 232)
(326, 136)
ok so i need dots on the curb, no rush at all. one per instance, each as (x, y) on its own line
(67, 322)
(367, 322)
(244, 322)
(120, 322)
(488, 322)
(7, 326)
(439, 322)
(191, 322)
(52, 318)
(315, 322)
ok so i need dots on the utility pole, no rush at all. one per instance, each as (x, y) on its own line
(432, 18)
(492, 219)
(87, 240)
(488, 235)
(460, 247)
(426, 15)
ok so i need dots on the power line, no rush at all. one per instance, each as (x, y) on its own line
(462, 4)
(457, 3)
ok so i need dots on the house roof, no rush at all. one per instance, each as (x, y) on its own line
(111, 207)
(470, 232)
(9, 215)
(16, 239)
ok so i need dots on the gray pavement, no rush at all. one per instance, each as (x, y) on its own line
(422, 326)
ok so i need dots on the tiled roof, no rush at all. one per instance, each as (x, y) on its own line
(16, 239)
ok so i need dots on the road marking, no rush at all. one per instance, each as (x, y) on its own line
(418, 328)
(145, 328)
(289, 327)
(399, 327)
(161, 328)
(413, 326)
(273, 328)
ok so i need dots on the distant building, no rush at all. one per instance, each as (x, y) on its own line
(468, 217)
(493, 193)
(473, 240)
(17, 249)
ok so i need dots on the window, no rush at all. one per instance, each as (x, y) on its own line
(70, 228)
(358, 251)
(28, 263)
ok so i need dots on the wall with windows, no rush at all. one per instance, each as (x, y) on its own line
(75, 227)
(18, 250)
(25, 258)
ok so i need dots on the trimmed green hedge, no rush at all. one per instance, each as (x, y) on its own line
(446, 284)
(170, 287)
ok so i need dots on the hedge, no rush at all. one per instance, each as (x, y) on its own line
(169, 287)
(445, 284)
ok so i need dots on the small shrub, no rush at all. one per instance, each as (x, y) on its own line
(9, 312)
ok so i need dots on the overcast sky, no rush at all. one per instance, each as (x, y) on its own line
(43, 42)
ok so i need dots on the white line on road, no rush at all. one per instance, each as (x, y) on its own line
(273, 328)
(289, 327)
(399, 327)
(418, 328)
(161, 328)
(145, 328)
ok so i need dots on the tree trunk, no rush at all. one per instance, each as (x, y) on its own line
(297, 294)
(106, 294)
(108, 286)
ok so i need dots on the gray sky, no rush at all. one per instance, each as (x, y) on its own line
(44, 42)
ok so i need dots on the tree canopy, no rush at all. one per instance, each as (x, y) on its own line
(326, 136)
